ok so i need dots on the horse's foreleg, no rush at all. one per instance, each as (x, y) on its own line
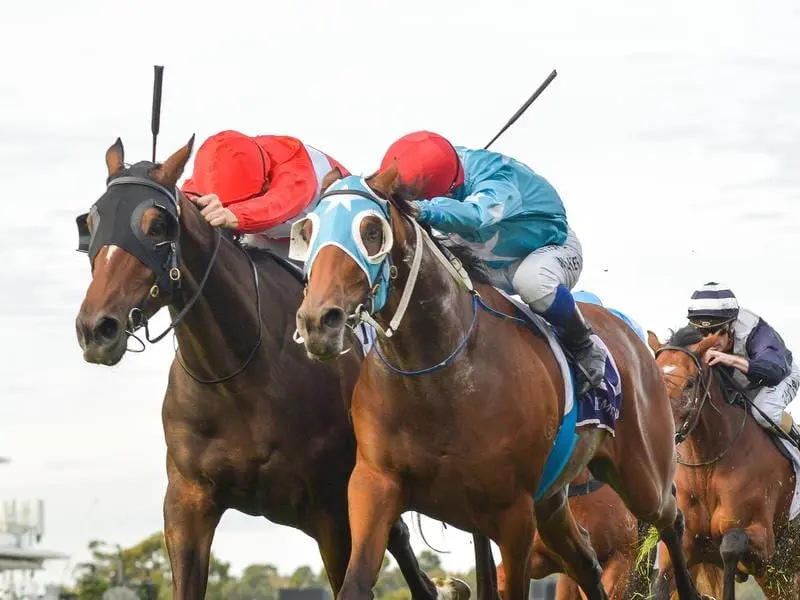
(517, 526)
(641, 485)
(673, 538)
(566, 538)
(190, 518)
(332, 532)
(708, 579)
(733, 548)
(751, 548)
(420, 586)
(374, 505)
(567, 589)
(485, 570)
(617, 576)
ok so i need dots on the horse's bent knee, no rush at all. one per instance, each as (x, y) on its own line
(734, 545)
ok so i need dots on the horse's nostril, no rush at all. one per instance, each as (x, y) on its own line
(332, 318)
(106, 329)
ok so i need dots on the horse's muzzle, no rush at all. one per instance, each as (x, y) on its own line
(322, 331)
(102, 338)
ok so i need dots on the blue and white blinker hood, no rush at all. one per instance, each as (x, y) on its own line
(336, 221)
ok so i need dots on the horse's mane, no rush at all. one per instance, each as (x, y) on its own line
(402, 198)
(685, 336)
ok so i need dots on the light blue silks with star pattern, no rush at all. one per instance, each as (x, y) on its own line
(336, 221)
(503, 212)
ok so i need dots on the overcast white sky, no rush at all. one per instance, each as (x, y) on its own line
(671, 133)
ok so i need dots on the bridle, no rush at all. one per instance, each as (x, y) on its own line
(130, 196)
(366, 311)
(702, 394)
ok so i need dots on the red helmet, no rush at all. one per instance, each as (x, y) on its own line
(231, 165)
(427, 160)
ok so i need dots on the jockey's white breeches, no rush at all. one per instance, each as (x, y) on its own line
(536, 277)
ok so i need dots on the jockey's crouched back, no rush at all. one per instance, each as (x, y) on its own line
(514, 220)
(257, 185)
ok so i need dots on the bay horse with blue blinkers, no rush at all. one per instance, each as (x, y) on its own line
(455, 413)
(250, 424)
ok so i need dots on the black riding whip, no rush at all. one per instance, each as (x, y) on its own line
(524, 107)
(155, 119)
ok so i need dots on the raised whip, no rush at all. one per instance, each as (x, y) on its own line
(155, 119)
(524, 107)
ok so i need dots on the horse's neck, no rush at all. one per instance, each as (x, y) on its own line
(438, 317)
(717, 428)
(218, 333)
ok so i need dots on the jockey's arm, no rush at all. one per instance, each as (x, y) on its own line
(491, 201)
(769, 361)
(283, 201)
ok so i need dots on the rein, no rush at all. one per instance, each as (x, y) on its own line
(386, 273)
(697, 404)
(180, 316)
(454, 267)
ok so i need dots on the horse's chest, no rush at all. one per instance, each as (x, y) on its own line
(267, 485)
(440, 479)
(256, 478)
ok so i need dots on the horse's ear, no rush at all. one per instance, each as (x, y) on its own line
(705, 344)
(386, 181)
(334, 174)
(115, 158)
(171, 169)
(653, 341)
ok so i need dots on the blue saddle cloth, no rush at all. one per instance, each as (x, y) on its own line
(598, 408)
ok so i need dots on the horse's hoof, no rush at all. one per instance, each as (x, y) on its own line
(451, 588)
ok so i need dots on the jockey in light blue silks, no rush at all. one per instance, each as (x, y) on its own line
(515, 221)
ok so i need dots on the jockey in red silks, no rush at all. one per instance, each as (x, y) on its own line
(257, 185)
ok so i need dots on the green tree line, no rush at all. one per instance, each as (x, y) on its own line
(144, 570)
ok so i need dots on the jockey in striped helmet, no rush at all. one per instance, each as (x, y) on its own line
(753, 349)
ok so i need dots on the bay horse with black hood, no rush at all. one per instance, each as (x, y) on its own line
(458, 405)
(249, 422)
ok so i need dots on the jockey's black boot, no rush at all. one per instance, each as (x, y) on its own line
(590, 358)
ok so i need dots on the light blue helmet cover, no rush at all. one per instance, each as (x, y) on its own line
(336, 221)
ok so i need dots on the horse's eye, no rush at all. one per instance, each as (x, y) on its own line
(373, 232)
(157, 228)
